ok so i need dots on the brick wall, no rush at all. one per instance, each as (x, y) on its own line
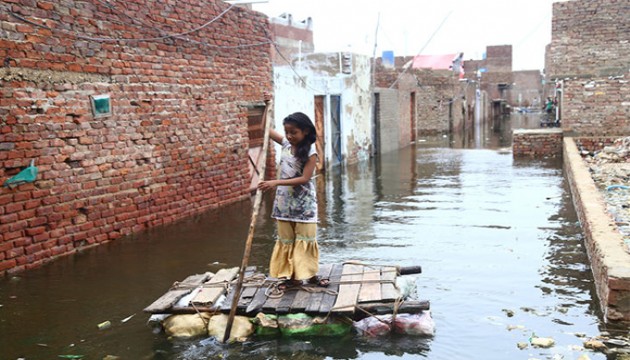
(497, 79)
(588, 57)
(597, 106)
(537, 143)
(292, 38)
(439, 98)
(589, 37)
(175, 145)
(499, 58)
(592, 144)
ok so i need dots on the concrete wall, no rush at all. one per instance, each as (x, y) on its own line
(176, 142)
(388, 120)
(604, 243)
(588, 59)
(322, 75)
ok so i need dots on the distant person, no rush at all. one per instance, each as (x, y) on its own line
(295, 255)
(549, 106)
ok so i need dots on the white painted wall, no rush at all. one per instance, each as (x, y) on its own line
(321, 74)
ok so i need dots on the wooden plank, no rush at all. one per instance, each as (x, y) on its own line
(389, 291)
(249, 290)
(208, 295)
(328, 299)
(379, 308)
(370, 285)
(271, 303)
(229, 298)
(284, 306)
(349, 291)
(316, 298)
(258, 300)
(169, 299)
(302, 299)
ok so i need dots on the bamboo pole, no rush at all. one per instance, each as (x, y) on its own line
(268, 117)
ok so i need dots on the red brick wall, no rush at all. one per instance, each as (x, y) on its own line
(176, 144)
(537, 143)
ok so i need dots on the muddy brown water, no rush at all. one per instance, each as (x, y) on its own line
(495, 237)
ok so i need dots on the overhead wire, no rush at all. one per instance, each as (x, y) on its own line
(275, 45)
(422, 49)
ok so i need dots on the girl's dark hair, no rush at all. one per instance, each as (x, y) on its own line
(304, 123)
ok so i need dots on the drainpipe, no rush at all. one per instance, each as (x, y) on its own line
(340, 68)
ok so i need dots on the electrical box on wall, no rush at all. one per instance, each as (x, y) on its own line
(101, 105)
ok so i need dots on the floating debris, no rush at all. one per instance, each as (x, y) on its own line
(127, 318)
(104, 325)
(594, 344)
(542, 342)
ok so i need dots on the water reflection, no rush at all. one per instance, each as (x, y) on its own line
(495, 236)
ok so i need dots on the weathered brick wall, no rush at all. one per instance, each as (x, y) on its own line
(592, 144)
(498, 70)
(499, 58)
(176, 144)
(537, 143)
(588, 55)
(589, 38)
(598, 106)
(491, 82)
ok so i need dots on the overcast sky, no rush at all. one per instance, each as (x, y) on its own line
(408, 26)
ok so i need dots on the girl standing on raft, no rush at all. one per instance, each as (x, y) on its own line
(295, 255)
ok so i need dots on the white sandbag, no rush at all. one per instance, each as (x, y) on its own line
(186, 325)
(241, 327)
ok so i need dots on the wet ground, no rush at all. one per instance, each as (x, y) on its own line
(498, 240)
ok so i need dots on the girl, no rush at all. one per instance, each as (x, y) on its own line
(295, 255)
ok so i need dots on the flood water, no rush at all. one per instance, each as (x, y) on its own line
(495, 237)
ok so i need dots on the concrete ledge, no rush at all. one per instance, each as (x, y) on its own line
(537, 142)
(610, 262)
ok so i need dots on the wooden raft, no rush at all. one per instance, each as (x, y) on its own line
(352, 286)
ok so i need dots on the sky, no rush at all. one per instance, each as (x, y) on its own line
(427, 27)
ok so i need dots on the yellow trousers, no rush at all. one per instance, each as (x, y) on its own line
(295, 255)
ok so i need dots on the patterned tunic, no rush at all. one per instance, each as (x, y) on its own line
(294, 203)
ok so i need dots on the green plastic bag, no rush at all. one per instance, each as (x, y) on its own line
(25, 176)
(302, 325)
(266, 324)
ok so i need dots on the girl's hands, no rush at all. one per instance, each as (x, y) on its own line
(266, 185)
